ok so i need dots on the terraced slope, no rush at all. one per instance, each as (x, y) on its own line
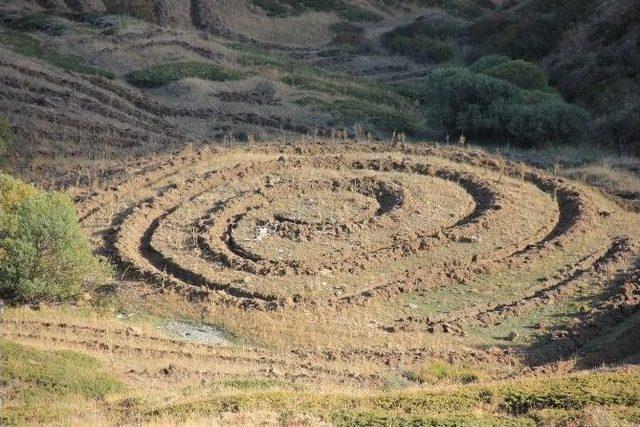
(367, 227)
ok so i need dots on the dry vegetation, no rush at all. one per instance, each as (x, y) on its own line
(330, 310)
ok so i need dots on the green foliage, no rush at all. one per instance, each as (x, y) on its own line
(371, 116)
(530, 31)
(339, 86)
(347, 33)
(40, 22)
(43, 253)
(464, 8)
(26, 45)
(6, 140)
(428, 39)
(422, 49)
(483, 107)
(346, 27)
(521, 73)
(436, 25)
(489, 61)
(350, 12)
(161, 75)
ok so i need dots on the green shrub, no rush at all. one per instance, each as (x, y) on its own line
(40, 22)
(485, 107)
(422, 49)
(489, 61)
(6, 140)
(339, 86)
(435, 25)
(161, 75)
(284, 8)
(43, 252)
(521, 73)
(427, 39)
(371, 116)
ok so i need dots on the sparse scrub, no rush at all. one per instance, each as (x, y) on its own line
(40, 22)
(422, 49)
(43, 251)
(164, 74)
(283, 8)
(6, 140)
(366, 114)
(266, 89)
(333, 85)
(26, 45)
(429, 39)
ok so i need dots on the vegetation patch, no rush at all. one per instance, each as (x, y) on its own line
(164, 74)
(37, 382)
(338, 86)
(43, 252)
(422, 49)
(44, 22)
(429, 39)
(6, 140)
(521, 73)
(370, 116)
(350, 12)
(484, 107)
(469, 405)
(26, 45)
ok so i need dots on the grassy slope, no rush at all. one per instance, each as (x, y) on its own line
(42, 386)
(49, 386)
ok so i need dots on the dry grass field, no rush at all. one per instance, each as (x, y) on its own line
(283, 246)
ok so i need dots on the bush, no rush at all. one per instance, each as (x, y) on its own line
(284, 8)
(40, 22)
(427, 39)
(489, 61)
(421, 48)
(43, 253)
(6, 140)
(164, 74)
(266, 89)
(483, 107)
(346, 33)
(521, 73)
(371, 116)
(456, 92)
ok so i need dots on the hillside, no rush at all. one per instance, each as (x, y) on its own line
(137, 76)
(320, 212)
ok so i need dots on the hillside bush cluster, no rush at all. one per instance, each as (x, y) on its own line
(43, 253)
(164, 74)
(345, 10)
(428, 39)
(490, 101)
(40, 22)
